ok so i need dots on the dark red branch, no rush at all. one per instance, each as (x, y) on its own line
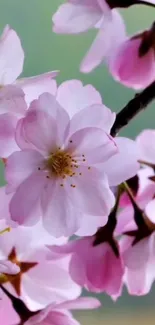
(134, 107)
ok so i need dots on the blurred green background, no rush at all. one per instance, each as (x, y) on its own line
(45, 51)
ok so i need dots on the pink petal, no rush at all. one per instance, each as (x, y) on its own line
(48, 105)
(60, 217)
(12, 101)
(133, 257)
(48, 283)
(94, 223)
(125, 221)
(80, 252)
(94, 143)
(123, 165)
(91, 195)
(110, 35)
(81, 303)
(24, 206)
(146, 143)
(62, 318)
(130, 69)
(93, 116)
(20, 165)
(7, 135)
(40, 130)
(11, 62)
(52, 317)
(139, 282)
(8, 316)
(73, 96)
(37, 296)
(109, 270)
(20, 136)
(33, 87)
(4, 208)
(71, 18)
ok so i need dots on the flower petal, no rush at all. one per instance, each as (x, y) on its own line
(93, 116)
(8, 144)
(11, 62)
(133, 257)
(48, 107)
(33, 87)
(94, 223)
(81, 303)
(71, 18)
(146, 143)
(110, 35)
(40, 130)
(124, 164)
(94, 143)
(73, 96)
(20, 165)
(12, 101)
(24, 205)
(60, 217)
(91, 195)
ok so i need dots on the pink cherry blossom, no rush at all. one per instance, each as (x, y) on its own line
(94, 266)
(59, 314)
(139, 261)
(40, 281)
(137, 246)
(12, 91)
(79, 16)
(133, 62)
(63, 165)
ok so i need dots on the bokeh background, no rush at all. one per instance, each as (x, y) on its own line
(45, 51)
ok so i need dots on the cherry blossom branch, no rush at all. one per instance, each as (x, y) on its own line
(134, 107)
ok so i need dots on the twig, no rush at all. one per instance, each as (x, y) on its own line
(134, 107)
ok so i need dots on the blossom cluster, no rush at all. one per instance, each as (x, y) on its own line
(66, 174)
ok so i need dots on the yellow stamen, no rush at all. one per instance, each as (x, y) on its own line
(59, 164)
(8, 229)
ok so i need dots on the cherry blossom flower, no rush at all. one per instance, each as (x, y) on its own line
(59, 314)
(138, 256)
(13, 92)
(39, 282)
(78, 16)
(65, 165)
(137, 245)
(133, 63)
(96, 266)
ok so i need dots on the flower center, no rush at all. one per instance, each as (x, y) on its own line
(59, 163)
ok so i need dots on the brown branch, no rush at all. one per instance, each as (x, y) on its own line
(134, 107)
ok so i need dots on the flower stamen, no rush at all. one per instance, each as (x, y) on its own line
(59, 164)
